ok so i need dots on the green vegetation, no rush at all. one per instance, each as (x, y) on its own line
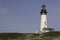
(22, 35)
(52, 34)
(11, 35)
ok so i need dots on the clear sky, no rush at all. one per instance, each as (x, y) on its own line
(24, 15)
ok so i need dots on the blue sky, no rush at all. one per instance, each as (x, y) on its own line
(24, 15)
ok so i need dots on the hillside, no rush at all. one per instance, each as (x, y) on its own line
(30, 36)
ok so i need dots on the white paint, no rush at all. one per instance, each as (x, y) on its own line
(43, 23)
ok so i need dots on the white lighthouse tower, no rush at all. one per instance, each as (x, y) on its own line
(43, 24)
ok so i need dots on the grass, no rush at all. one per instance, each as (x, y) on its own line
(22, 35)
(52, 34)
(11, 35)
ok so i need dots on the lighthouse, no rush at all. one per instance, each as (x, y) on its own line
(43, 22)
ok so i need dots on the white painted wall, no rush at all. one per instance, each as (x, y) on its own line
(43, 23)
